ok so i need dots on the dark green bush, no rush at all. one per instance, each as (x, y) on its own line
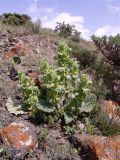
(15, 19)
(6, 15)
(115, 39)
(64, 30)
(12, 20)
(109, 69)
(110, 48)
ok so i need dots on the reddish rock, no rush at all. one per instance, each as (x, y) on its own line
(112, 110)
(18, 49)
(35, 75)
(20, 135)
(104, 148)
(21, 48)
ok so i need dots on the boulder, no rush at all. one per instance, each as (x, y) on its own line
(20, 135)
(98, 147)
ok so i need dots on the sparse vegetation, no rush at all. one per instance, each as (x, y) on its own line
(106, 126)
(58, 85)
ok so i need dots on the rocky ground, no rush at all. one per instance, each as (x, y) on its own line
(21, 137)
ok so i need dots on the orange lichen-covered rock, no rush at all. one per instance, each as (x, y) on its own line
(101, 147)
(112, 110)
(19, 135)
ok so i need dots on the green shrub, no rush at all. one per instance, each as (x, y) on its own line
(102, 70)
(64, 30)
(75, 47)
(110, 48)
(64, 90)
(12, 20)
(109, 67)
(68, 31)
(85, 57)
(115, 39)
(106, 126)
(75, 37)
(15, 19)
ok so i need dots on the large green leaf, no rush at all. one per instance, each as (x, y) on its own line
(14, 108)
(42, 105)
(67, 119)
(88, 103)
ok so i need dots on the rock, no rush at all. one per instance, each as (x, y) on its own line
(13, 74)
(19, 135)
(35, 75)
(112, 110)
(99, 147)
(19, 49)
(14, 40)
(4, 34)
(81, 127)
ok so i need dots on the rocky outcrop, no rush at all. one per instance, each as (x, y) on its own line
(19, 49)
(10, 47)
(99, 147)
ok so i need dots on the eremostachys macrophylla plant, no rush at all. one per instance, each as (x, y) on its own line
(64, 90)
